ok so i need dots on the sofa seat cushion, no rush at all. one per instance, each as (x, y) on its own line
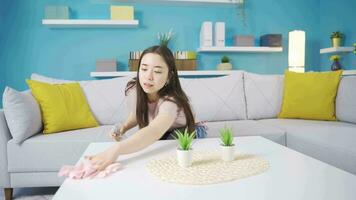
(46, 153)
(331, 142)
(247, 128)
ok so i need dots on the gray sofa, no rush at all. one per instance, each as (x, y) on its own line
(249, 103)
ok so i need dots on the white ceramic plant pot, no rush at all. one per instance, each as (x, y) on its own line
(227, 153)
(184, 157)
(224, 66)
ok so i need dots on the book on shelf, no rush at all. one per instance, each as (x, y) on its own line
(192, 55)
(219, 34)
(184, 60)
(181, 64)
(206, 34)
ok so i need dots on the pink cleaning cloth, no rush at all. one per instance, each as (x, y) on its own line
(85, 170)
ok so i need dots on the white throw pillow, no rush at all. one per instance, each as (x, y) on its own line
(22, 113)
(106, 98)
(346, 100)
(264, 95)
(216, 99)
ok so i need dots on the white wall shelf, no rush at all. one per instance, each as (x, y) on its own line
(337, 50)
(349, 72)
(183, 73)
(180, 73)
(180, 1)
(241, 49)
(89, 23)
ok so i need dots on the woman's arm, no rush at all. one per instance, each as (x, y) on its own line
(130, 123)
(143, 138)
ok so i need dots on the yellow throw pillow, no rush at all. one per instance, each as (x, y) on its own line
(63, 106)
(310, 95)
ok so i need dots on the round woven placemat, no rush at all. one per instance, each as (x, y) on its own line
(207, 168)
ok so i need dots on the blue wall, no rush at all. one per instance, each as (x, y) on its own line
(29, 47)
(338, 16)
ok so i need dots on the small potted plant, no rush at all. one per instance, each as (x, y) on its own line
(225, 64)
(336, 38)
(336, 64)
(227, 146)
(164, 38)
(184, 151)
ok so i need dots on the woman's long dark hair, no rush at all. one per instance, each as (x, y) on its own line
(171, 89)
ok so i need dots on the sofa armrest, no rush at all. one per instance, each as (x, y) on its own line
(5, 136)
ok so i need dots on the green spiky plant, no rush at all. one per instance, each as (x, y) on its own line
(336, 34)
(185, 139)
(164, 38)
(226, 136)
(225, 59)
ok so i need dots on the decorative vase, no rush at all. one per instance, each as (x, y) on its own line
(224, 66)
(335, 66)
(184, 157)
(227, 153)
(336, 42)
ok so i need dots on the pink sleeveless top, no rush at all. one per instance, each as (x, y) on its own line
(163, 105)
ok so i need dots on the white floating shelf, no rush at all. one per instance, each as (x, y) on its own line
(89, 23)
(337, 50)
(241, 49)
(180, 73)
(181, 1)
(349, 72)
(183, 73)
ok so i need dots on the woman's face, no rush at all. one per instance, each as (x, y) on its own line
(153, 73)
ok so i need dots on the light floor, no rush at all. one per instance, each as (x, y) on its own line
(31, 193)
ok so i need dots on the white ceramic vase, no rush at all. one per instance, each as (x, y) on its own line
(184, 157)
(227, 153)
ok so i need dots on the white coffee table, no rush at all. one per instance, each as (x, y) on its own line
(291, 175)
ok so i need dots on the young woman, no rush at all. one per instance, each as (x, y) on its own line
(161, 106)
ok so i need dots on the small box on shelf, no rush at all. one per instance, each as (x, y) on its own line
(271, 40)
(244, 40)
(181, 64)
(109, 65)
(122, 12)
(57, 12)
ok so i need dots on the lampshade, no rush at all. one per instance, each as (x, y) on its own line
(296, 50)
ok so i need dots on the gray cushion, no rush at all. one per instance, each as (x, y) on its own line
(346, 100)
(45, 153)
(247, 128)
(22, 112)
(331, 142)
(218, 98)
(264, 95)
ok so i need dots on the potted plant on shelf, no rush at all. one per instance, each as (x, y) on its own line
(227, 146)
(336, 38)
(164, 38)
(225, 64)
(336, 64)
(184, 151)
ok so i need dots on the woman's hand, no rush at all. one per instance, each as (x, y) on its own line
(101, 160)
(116, 134)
